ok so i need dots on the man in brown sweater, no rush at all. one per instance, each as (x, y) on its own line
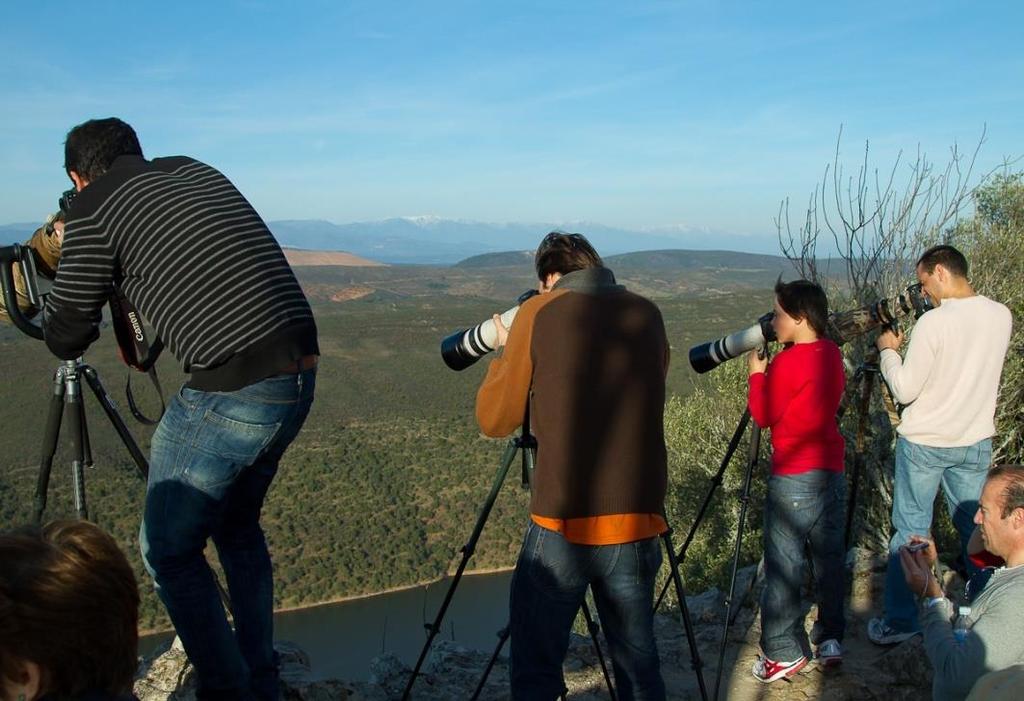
(589, 360)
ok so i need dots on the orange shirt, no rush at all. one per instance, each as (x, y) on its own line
(610, 529)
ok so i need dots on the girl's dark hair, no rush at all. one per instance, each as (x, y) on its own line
(563, 253)
(93, 146)
(803, 299)
(69, 603)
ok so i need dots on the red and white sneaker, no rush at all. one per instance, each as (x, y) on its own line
(766, 670)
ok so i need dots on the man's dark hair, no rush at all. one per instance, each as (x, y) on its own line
(1013, 493)
(92, 146)
(563, 253)
(946, 256)
(803, 299)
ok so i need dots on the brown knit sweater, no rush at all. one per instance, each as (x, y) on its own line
(591, 359)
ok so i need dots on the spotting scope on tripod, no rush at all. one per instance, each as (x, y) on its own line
(842, 327)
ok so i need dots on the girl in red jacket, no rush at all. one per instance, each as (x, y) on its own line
(797, 397)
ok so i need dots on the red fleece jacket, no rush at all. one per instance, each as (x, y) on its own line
(798, 398)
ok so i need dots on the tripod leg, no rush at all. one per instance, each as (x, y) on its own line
(716, 482)
(593, 628)
(73, 402)
(115, 419)
(50, 435)
(86, 445)
(502, 639)
(467, 552)
(863, 407)
(684, 612)
(755, 446)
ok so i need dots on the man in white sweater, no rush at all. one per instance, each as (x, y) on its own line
(949, 381)
(994, 639)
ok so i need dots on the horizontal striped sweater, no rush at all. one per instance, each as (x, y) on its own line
(190, 252)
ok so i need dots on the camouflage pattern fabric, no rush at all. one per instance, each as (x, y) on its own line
(45, 248)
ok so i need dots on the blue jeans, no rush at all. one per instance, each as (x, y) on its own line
(548, 589)
(803, 509)
(213, 457)
(920, 470)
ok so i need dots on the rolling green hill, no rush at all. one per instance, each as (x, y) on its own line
(507, 259)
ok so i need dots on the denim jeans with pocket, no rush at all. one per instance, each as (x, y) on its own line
(548, 589)
(920, 471)
(213, 457)
(802, 510)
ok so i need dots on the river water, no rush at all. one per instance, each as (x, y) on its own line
(341, 638)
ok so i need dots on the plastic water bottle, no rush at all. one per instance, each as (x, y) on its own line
(960, 625)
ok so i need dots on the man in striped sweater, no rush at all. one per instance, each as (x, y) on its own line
(199, 263)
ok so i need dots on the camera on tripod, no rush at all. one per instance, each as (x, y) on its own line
(842, 327)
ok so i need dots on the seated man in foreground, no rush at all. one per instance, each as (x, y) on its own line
(995, 639)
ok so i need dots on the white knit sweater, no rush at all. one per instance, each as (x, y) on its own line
(950, 376)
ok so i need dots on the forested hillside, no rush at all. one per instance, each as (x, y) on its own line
(383, 485)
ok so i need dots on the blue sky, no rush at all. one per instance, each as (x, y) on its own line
(639, 114)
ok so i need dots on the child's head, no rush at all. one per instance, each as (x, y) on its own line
(801, 311)
(69, 611)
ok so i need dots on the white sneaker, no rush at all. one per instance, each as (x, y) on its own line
(880, 633)
(830, 653)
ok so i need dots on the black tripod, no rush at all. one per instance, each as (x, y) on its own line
(716, 481)
(867, 374)
(528, 444)
(67, 401)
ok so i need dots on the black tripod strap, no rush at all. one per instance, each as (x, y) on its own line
(134, 408)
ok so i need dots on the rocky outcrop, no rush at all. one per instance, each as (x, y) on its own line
(170, 677)
(453, 672)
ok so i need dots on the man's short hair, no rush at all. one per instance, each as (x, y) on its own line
(1013, 492)
(946, 256)
(69, 602)
(93, 146)
(563, 253)
(803, 299)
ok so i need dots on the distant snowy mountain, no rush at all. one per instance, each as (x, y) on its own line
(434, 240)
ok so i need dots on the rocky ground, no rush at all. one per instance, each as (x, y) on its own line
(896, 673)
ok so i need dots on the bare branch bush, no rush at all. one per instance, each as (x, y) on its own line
(876, 219)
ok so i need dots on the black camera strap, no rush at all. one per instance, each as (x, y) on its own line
(135, 350)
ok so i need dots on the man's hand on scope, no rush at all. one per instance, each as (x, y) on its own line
(58, 231)
(501, 331)
(889, 339)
